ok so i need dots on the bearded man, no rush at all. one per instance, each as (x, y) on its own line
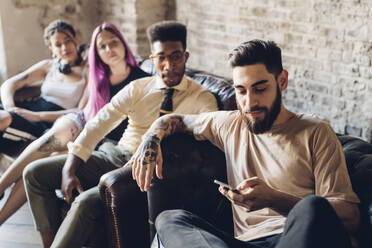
(289, 169)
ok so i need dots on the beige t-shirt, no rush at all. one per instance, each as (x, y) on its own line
(300, 157)
(140, 100)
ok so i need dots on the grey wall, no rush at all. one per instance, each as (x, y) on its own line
(23, 23)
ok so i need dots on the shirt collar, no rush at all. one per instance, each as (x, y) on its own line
(182, 86)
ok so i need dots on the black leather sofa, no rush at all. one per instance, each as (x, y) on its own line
(189, 169)
(358, 155)
(120, 194)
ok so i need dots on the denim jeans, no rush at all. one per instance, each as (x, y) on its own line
(311, 223)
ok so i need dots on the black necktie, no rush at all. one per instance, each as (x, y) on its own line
(167, 105)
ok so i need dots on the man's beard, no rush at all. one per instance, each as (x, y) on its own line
(178, 81)
(262, 126)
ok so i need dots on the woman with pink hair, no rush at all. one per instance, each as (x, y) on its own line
(111, 67)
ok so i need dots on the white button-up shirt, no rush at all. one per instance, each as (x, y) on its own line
(140, 101)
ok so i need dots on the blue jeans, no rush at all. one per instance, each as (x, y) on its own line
(311, 223)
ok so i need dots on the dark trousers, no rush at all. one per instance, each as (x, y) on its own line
(311, 223)
(42, 177)
(22, 129)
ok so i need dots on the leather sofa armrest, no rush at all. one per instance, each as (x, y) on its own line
(358, 155)
(27, 93)
(126, 213)
(189, 168)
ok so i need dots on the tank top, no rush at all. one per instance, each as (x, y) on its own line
(65, 94)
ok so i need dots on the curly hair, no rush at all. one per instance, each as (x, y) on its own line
(167, 31)
(57, 26)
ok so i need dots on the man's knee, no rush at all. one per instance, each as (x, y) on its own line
(65, 129)
(50, 142)
(31, 172)
(88, 206)
(313, 206)
(44, 172)
(171, 216)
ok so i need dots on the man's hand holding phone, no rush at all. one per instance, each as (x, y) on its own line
(252, 194)
(226, 186)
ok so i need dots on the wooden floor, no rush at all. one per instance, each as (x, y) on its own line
(19, 231)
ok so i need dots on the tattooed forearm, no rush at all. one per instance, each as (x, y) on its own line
(177, 124)
(50, 144)
(163, 125)
(170, 124)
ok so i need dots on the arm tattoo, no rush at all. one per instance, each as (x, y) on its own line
(163, 125)
(51, 144)
(171, 125)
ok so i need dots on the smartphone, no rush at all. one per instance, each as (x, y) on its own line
(226, 186)
(59, 194)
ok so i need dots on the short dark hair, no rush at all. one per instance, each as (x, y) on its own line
(258, 52)
(57, 26)
(167, 31)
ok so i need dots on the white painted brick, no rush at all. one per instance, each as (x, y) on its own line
(326, 47)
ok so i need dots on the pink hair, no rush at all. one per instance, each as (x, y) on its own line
(99, 72)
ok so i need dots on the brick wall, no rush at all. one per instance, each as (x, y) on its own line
(132, 17)
(327, 49)
(122, 13)
(327, 45)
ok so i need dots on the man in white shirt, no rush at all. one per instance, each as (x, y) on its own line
(142, 102)
(289, 169)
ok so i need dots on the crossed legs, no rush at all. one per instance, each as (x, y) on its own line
(55, 140)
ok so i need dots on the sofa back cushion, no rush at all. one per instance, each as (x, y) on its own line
(358, 155)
